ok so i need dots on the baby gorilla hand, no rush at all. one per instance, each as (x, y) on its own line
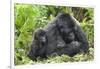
(75, 43)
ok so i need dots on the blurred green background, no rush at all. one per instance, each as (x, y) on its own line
(29, 17)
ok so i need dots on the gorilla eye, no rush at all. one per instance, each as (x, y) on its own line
(42, 33)
(61, 26)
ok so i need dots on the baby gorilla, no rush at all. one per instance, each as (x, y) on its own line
(71, 48)
(70, 37)
(39, 45)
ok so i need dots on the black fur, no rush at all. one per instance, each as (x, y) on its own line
(38, 46)
(62, 36)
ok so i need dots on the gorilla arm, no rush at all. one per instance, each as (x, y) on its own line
(81, 37)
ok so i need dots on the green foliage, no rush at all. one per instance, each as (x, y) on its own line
(30, 17)
(27, 19)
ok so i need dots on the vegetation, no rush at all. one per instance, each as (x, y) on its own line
(30, 17)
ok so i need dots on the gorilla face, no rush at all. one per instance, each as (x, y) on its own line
(40, 35)
(70, 37)
(65, 20)
(67, 35)
(65, 25)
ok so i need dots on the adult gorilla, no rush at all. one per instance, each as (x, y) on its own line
(64, 36)
(72, 34)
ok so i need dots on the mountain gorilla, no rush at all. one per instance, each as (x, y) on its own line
(72, 34)
(39, 44)
(62, 36)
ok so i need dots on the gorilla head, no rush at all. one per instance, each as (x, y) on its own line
(40, 36)
(65, 25)
(38, 46)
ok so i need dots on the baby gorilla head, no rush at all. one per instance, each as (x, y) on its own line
(40, 36)
(38, 46)
(70, 37)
